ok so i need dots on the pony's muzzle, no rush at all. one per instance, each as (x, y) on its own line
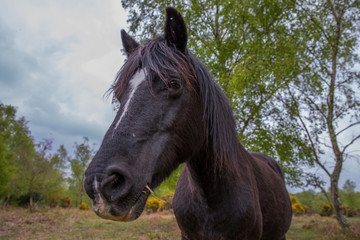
(116, 185)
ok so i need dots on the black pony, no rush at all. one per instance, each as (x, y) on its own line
(171, 111)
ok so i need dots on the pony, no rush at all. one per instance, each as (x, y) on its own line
(172, 112)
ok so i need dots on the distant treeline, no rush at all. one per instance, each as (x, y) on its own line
(311, 202)
(30, 174)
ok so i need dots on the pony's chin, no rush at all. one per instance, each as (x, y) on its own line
(112, 211)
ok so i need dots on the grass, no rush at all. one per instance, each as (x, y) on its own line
(18, 223)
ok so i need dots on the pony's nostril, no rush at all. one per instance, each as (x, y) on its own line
(116, 185)
(118, 182)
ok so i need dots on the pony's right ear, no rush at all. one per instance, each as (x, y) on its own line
(175, 29)
(128, 42)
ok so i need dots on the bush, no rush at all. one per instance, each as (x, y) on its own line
(168, 197)
(84, 206)
(65, 202)
(326, 210)
(293, 199)
(297, 208)
(349, 211)
(154, 204)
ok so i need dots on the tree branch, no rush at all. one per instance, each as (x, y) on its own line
(351, 125)
(332, 6)
(317, 160)
(349, 144)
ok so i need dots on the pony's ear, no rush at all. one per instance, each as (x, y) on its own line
(175, 29)
(128, 42)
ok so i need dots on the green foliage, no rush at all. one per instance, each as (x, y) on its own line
(15, 142)
(26, 169)
(169, 184)
(53, 200)
(306, 198)
(349, 196)
(7, 118)
(83, 154)
(252, 53)
(323, 99)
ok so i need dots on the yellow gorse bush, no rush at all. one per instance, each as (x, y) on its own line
(84, 206)
(297, 208)
(154, 204)
(326, 210)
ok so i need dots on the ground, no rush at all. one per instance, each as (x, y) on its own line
(19, 223)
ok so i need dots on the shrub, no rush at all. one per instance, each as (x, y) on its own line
(84, 206)
(168, 197)
(154, 204)
(298, 209)
(326, 210)
(293, 199)
(65, 202)
(349, 211)
(296, 206)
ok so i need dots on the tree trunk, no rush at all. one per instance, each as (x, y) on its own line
(81, 194)
(340, 217)
(7, 200)
(31, 204)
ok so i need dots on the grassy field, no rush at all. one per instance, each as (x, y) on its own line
(18, 223)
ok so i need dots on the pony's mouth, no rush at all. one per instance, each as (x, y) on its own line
(115, 212)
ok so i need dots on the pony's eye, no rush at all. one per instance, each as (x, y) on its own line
(174, 84)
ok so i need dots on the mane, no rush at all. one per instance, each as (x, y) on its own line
(220, 123)
(160, 58)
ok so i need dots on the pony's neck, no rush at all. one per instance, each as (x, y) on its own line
(218, 182)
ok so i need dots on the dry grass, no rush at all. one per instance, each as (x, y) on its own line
(18, 223)
(322, 228)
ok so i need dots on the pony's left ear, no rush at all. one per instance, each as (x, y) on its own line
(175, 29)
(128, 42)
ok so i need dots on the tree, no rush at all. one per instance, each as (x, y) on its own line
(37, 175)
(251, 53)
(348, 194)
(323, 101)
(78, 165)
(16, 145)
(60, 159)
(288, 70)
(25, 169)
(7, 128)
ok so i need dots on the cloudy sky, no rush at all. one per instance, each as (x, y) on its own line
(58, 59)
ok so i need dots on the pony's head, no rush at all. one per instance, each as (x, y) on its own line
(160, 123)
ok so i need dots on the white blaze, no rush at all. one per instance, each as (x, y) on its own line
(137, 79)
